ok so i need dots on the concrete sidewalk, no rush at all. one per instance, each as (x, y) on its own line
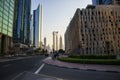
(92, 67)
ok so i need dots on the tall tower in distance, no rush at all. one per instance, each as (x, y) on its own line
(45, 42)
(54, 41)
(57, 40)
(37, 24)
(61, 45)
(41, 17)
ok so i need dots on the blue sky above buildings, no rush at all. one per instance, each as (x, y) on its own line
(57, 15)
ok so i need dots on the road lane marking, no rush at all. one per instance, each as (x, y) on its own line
(38, 70)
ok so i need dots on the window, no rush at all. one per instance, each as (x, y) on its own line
(0, 19)
(11, 4)
(10, 29)
(10, 25)
(1, 4)
(11, 17)
(4, 26)
(12, 1)
(11, 8)
(11, 13)
(9, 33)
(0, 29)
(4, 31)
(5, 21)
(6, 8)
(5, 17)
(1, 9)
(0, 24)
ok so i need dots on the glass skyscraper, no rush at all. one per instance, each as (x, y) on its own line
(21, 30)
(100, 2)
(6, 24)
(37, 22)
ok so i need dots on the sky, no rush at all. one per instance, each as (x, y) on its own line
(57, 15)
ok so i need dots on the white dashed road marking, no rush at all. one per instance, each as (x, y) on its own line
(38, 70)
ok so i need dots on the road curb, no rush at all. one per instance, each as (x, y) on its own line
(82, 69)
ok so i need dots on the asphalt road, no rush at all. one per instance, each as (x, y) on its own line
(9, 70)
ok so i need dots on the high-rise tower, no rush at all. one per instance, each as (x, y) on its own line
(6, 24)
(61, 44)
(37, 24)
(21, 29)
(106, 2)
(55, 40)
(41, 26)
(45, 42)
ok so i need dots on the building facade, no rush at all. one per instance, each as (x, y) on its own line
(55, 41)
(117, 2)
(21, 30)
(94, 30)
(45, 43)
(6, 24)
(101, 2)
(37, 24)
(106, 2)
(31, 32)
(61, 44)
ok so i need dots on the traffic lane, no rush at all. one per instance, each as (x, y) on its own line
(74, 74)
(10, 69)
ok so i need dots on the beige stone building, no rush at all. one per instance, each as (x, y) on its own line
(94, 30)
(55, 41)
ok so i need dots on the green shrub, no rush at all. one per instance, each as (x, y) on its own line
(92, 61)
(93, 56)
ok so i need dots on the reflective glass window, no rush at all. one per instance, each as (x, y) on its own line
(11, 4)
(9, 33)
(10, 25)
(11, 13)
(11, 17)
(4, 31)
(5, 21)
(0, 29)
(5, 12)
(0, 24)
(1, 8)
(11, 8)
(10, 29)
(1, 3)
(6, 8)
(4, 26)
(6, 3)
(5, 17)
(12, 1)
(1, 13)
(10, 21)
(0, 19)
